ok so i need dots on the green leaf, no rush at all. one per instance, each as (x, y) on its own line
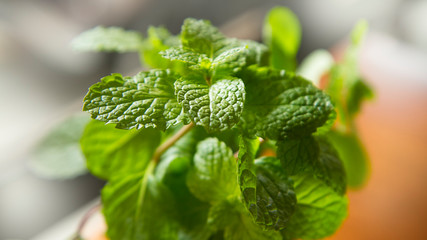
(158, 39)
(216, 107)
(274, 195)
(214, 175)
(346, 87)
(319, 213)
(245, 228)
(185, 147)
(131, 215)
(184, 55)
(358, 93)
(145, 100)
(282, 33)
(58, 155)
(230, 61)
(247, 178)
(266, 191)
(111, 152)
(225, 213)
(255, 52)
(315, 156)
(201, 36)
(110, 39)
(359, 32)
(329, 167)
(191, 213)
(298, 155)
(283, 106)
(353, 155)
(315, 65)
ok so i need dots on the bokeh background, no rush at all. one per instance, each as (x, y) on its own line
(43, 81)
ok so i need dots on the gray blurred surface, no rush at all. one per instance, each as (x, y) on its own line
(42, 80)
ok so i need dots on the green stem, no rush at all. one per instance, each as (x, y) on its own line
(171, 141)
(155, 160)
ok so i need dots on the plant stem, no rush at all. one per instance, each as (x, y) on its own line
(155, 160)
(171, 141)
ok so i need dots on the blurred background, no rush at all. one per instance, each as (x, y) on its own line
(42, 81)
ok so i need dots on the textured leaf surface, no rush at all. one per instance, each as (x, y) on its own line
(298, 155)
(275, 197)
(255, 52)
(184, 55)
(111, 152)
(201, 36)
(58, 154)
(319, 212)
(266, 191)
(110, 39)
(282, 105)
(315, 156)
(145, 100)
(282, 32)
(130, 216)
(217, 107)
(247, 178)
(214, 175)
(245, 228)
(354, 157)
(231, 60)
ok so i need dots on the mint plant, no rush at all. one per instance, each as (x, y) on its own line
(221, 139)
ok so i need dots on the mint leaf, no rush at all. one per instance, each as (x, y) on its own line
(358, 33)
(111, 39)
(184, 148)
(282, 33)
(191, 214)
(158, 39)
(247, 178)
(316, 156)
(58, 154)
(231, 60)
(224, 213)
(282, 105)
(358, 93)
(111, 152)
(319, 212)
(329, 167)
(214, 174)
(245, 228)
(266, 192)
(315, 65)
(255, 52)
(274, 194)
(231, 217)
(346, 87)
(216, 107)
(145, 100)
(131, 215)
(184, 55)
(353, 155)
(298, 155)
(201, 36)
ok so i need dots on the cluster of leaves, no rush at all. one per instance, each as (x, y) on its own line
(192, 162)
